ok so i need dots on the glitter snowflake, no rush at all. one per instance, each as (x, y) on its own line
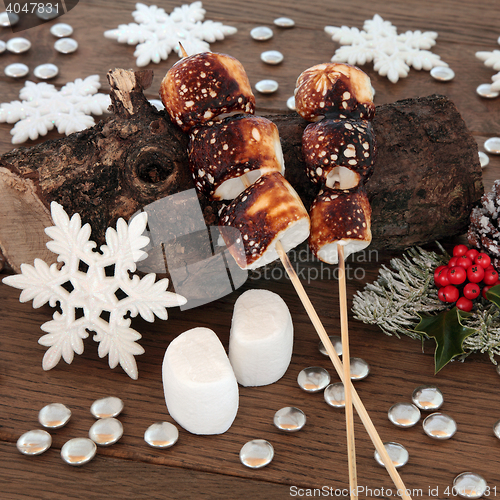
(43, 107)
(392, 54)
(94, 290)
(492, 60)
(156, 33)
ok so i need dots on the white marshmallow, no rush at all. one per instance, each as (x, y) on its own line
(261, 339)
(201, 391)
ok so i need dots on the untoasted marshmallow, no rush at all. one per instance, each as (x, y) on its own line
(201, 391)
(261, 340)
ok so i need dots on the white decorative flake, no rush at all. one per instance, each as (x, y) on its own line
(43, 107)
(94, 290)
(156, 33)
(492, 60)
(392, 54)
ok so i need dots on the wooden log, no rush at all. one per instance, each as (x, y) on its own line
(427, 174)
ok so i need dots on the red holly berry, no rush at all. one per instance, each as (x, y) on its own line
(457, 275)
(464, 304)
(464, 261)
(472, 254)
(483, 260)
(459, 250)
(452, 262)
(485, 289)
(451, 293)
(475, 273)
(490, 277)
(471, 291)
(441, 295)
(442, 278)
(437, 270)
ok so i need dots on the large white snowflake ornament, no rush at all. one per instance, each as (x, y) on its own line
(94, 290)
(492, 60)
(156, 33)
(43, 107)
(392, 54)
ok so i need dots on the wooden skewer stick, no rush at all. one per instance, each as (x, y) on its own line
(349, 418)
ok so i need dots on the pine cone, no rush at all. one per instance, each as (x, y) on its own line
(484, 228)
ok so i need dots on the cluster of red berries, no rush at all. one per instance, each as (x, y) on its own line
(468, 274)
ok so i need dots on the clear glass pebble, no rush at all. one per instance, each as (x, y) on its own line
(261, 33)
(483, 159)
(106, 431)
(334, 395)
(289, 419)
(272, 57)
(404, 414)
(284, 22)
(46, 12)
(266, 86)
(34, 442)
(16, 70)
(78, 451)
(334, 339)
(397, 453)
(439, 426)
(61, 30)
(54, 416)
(7, 20)
(496, 429)
(18, 45)
(484, 90)
(157, 104)
(3, 46)
(469, 485)
(66, 45)
(107, 407)
(290, 103)
(257, 453)
(313, 379)
(442, 73)
(498, 369)
(360, 369)
(427, 398)
(492, 145)
(46, 71)
(161, 435)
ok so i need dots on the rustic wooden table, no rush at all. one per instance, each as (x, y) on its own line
(209, 466)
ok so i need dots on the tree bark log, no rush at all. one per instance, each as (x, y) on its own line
(427, 174)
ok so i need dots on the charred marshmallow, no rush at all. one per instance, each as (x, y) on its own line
(339, 153)
(334, 90)
(222, 152)
(200, 87)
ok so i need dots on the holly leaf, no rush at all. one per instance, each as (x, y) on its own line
(493, 294)
(449, 333)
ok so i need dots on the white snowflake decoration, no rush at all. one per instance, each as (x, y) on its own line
(492, 60)
(156, 33)
(93, 292)
(392, 54)
(43, 107)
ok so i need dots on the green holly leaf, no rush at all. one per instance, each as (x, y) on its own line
(493, 294)
(449, 333)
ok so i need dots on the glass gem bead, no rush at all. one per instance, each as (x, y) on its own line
(492, 145)
(290, 103)
(397, 453)
(107, 407)
(46, 12)
(106, 431)
(442, 73)
(34, 442)
(8, 19)
(483, 159)
(359, 369)
(157, 104)
(469, 485)
(18, 45)
(78, 451)
(272, 57)
(484, 90)
(266, 86)
(3, 46)
(54, 416)
(257, 453)
(439, 426)
(427, 398)
(261, 33)
(46, 71)
(496, 429)
(16, 70)
(337, 345)
(61, 30)
(284, 22)
(289, 419)
(404, 414)
(66, 45)
(334, 395)
(161, 435)
(313, 379)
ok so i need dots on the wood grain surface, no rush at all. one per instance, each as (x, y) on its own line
(209, 466)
